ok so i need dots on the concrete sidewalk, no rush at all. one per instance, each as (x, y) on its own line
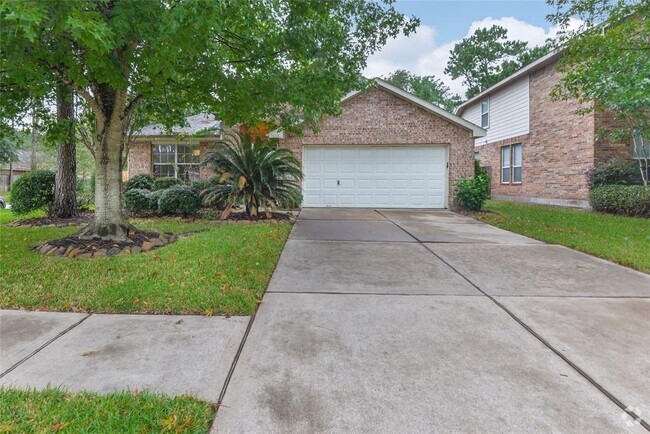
(407, 321)
(162, 353)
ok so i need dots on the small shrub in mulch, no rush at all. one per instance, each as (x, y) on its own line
(82, 219)
(73, 247)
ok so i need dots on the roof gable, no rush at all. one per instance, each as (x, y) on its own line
(427, 106)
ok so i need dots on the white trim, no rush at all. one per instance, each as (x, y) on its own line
(531, 67)
(487, 100)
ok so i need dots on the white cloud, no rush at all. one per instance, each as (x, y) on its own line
(421, 54)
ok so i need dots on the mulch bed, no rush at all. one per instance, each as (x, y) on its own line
(82, 219)
(73, 247)
(241, 216)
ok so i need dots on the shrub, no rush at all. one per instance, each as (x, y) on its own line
(615, 172)
(179, 200)
(33, 191)
(154, 199)
(631, 200)
(142, 182)
(471, 193)
(137, 200)
(165, 183)
(255, 174)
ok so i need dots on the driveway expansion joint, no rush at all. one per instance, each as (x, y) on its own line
(627, 409)
(42, 347)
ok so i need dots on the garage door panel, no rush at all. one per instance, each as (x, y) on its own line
(398, 177)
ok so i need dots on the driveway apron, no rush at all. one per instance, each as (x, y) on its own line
(427, 321)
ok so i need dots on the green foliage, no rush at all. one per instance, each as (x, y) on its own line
(607, 61)
(11, 142)
(487, 57)
(137, 200)
(144, 182)
(255, 174)
(165, 183)
(154, 200)
(471, 193)
(33, 191)
(620, 239)
(179, 200)
(179, 279)
(52, 410)
(630, 200)
(428, 87)
(615, 172)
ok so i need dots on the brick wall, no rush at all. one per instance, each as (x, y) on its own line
(376, 117)
(139, 158)
(557, 152)
(606, 147)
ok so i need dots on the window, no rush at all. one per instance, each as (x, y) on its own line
(485, 113)
(511, 162)
(176, 161)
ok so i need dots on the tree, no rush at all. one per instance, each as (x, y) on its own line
(65, 184)
(606, 65)
(427, 87)
(10, 143)
(487, 57)
(287, 61)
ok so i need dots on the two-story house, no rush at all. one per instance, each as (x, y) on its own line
(539, 150)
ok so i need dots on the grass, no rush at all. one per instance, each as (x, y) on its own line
(216, 269)
(54, 410)
(625, 240)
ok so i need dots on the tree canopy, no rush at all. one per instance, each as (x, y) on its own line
(488, 56)
(288, 61)
(606, 63)
(427, 87)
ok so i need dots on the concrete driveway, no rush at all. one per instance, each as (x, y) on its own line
(413, 321)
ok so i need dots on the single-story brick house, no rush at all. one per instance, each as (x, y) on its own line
(387, 149)
(539, 150)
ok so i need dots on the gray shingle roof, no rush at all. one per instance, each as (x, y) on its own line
(195, 124)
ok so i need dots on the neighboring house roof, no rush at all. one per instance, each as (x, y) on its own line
(543, 61)
(194, 124)
(400, 93)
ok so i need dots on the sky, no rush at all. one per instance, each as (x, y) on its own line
(446, 22)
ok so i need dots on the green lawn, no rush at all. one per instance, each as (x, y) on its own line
(625, 240)
(216, 269)
(54, 410)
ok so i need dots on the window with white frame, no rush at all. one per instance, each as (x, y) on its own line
(176, 161)
(511, 162)
(485, 113)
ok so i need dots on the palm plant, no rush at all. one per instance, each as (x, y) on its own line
(254, 174)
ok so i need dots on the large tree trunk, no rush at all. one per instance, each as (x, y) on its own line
(110, 222)
(65, 192)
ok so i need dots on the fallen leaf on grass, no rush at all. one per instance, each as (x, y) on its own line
(59, 426)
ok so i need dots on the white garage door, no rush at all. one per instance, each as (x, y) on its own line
(375, 177)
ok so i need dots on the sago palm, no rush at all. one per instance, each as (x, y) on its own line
(254, 174)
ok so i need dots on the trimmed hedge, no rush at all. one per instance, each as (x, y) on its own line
(471, 193)
(143, 182)
(154, 199)
(137, 200)
(33, 191)
(165, 183)
(615, 172)
(179, 200)
(630, 200)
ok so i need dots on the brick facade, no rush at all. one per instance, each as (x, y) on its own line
(377, 117)
(561, 147)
